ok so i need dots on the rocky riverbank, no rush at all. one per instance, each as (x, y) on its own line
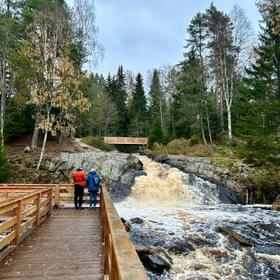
(233, 176)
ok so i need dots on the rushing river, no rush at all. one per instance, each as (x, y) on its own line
(183, 214)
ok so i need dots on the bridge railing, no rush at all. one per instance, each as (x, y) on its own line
(120, 258)
(19, 215)
(63, 194)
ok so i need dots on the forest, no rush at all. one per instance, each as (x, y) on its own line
(222, 99)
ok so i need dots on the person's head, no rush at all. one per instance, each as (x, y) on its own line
(92, 170)
(79, 169)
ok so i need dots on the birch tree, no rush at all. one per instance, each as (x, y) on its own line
(55, 89)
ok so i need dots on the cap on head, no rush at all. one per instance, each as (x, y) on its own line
(79, 169)
(92, 170)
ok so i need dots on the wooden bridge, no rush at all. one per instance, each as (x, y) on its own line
(41, 237)
(126, 140)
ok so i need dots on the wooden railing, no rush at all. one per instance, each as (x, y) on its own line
(63, 194)
(121, 261)
(19, 215)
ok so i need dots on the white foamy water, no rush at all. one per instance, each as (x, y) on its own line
(164, 186)
(184, 212)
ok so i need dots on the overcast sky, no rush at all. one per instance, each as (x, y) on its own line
(147, 34)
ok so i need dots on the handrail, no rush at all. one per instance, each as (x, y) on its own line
(19, 215)
(62, 193)
(121, 261)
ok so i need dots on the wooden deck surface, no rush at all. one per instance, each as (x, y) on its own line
(67, 246)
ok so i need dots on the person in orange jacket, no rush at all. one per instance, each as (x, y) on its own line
(79, 179)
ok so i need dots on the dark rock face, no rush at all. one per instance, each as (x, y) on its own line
(236, 236)
(155, 263)
(228, 182)
(136, 221)
(127, 224)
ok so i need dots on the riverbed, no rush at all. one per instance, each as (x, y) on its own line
(186, 219)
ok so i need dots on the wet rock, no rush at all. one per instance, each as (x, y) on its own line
(163, 253)
(156, 263)
(267, 249)
(142, 250)
(276, 203)
(27, 149)
(137, 221)
(236, 236)
(196, 240)
(178, 246)
(127, 224)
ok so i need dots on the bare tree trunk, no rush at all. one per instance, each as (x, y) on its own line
(209, 127)
(161, 114)
(44, 144)
(2, 109)
(3, 102)
(59, 138)
(34, 140)
(202, 130)
(230, 142)
(222, 112)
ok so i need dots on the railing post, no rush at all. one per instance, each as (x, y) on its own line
(38, 202)
(17, 226)
(56, 196)
(50, 198)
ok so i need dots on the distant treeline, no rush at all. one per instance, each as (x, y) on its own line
(226, 87)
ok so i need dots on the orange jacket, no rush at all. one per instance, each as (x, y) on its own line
(79, 177)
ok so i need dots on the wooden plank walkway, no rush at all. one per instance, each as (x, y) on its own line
(67, 246)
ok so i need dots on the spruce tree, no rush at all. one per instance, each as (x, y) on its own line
(156, 133)
(261, 96)
(138, 110)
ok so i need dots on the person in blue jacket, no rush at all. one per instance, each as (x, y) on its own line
(93, 181)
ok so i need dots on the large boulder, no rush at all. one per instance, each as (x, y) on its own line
(118, 170)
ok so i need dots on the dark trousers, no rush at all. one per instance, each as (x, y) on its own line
(79, 193)
(92, 198)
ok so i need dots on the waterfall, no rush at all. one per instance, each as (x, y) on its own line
(164, 186)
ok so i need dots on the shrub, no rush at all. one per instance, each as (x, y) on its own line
(182, 147)
(267, 185)
(98, 143)
(260, 151)
(4, 167)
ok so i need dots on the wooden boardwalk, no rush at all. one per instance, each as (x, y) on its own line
(67, 246)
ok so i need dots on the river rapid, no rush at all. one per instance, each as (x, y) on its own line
(185, 216)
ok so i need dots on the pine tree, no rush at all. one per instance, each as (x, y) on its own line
(197, 43)
(138, 110)
(223, 62)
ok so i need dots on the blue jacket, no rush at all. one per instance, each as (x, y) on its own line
(91, 180)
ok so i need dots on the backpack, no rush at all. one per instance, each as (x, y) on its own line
(96, 180)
